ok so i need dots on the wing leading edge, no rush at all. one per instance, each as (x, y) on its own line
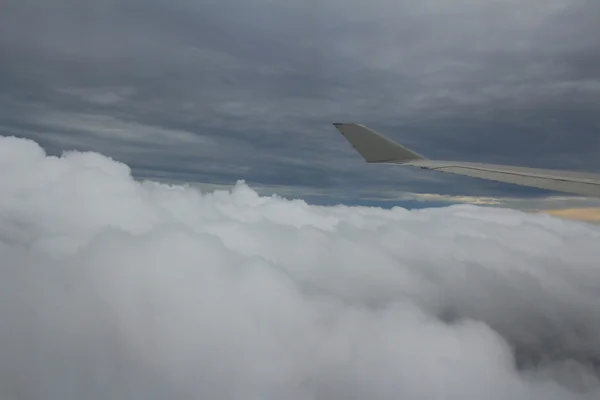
(376, 148)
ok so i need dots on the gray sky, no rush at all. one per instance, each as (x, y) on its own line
(216, 91)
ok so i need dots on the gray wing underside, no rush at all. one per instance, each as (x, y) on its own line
(376, 148)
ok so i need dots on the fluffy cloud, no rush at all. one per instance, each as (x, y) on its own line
(113, 288)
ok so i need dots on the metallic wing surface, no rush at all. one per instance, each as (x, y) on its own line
(376, 148)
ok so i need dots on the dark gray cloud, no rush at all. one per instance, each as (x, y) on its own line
(216, 91)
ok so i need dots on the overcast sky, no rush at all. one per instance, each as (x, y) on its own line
(216, 91)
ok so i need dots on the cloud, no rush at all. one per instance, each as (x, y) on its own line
(571, 207)
(110, 287)
(458, 199)
(581, 214)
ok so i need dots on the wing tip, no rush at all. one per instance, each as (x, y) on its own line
(343, 127)
(374, 147)
(341, 124)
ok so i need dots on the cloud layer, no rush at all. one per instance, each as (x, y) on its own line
(113, 288)
(211, 91)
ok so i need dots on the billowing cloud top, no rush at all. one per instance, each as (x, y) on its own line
(114, 288)
(213, 91)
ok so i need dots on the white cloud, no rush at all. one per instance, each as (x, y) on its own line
(112, 288)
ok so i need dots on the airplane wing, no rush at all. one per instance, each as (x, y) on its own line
(376, 148)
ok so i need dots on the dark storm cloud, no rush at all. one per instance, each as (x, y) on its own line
(216, 91)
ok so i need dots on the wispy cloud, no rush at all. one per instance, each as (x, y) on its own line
(571, 207)
(580, 214)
